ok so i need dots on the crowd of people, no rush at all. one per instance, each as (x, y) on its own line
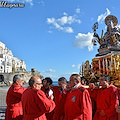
(70, 100)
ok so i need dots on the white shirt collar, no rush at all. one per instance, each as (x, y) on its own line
(76, 85)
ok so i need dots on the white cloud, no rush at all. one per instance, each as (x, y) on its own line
(42, 3)
(65, 13)
(83, 40)
(50, 31)
(21, 1)
(73, 65)
(51, 76)
(77, 10)
(78, 21)
(45, 74)
(64, 22)
(68, 29)
(78, 66)
(55, 24)
(10, 0)
(67, 20)
(64, 74)
(75, 73)
(103, 16)
(50, 70)
(50, 20)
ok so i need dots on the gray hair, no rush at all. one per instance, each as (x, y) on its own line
(32, 81)
(17, 77)
(63, 79)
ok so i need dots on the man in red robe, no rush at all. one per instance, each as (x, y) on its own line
(118, 100)
(117, 94)
(59, 98)
(106, 101)
(34, 101)
(13, 99)
(47, 82)
(93, 93)
(78, 104)
(59, 89)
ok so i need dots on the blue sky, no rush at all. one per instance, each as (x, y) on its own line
(54, 36)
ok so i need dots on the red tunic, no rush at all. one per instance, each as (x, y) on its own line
(118, 96)
(13, 100)
(59, 109)
(93, 94)
(46, 91)
(49, 116)
(59, 104)
(36, 104)
(106, 101)
(78, 105)
(56, 93)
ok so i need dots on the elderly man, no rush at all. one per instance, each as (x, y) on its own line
(60, 89)
(106, 101)
(60, 96)
(13, 99)
(34, 101)
(78, 104)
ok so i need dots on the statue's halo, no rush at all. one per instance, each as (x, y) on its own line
(113, 18)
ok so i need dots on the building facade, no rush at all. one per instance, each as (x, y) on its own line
(9, 63)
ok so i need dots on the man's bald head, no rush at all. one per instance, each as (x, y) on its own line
(33, 80)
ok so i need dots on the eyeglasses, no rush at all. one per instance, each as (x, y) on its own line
(38, 83)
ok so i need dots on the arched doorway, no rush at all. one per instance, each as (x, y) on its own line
(1, 78)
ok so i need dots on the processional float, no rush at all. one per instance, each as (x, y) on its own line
(107, 60)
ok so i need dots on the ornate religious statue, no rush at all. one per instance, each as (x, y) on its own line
(110, 41)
